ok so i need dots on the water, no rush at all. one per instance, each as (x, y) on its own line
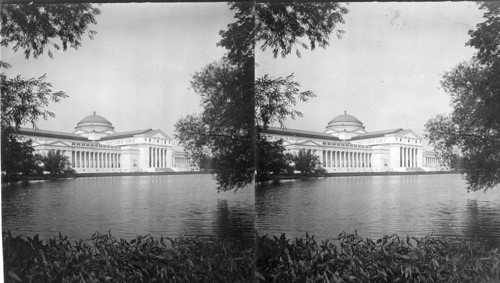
(168, 205)
(415, 205)
(176, 205)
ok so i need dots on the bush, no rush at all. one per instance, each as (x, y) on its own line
(106, 258)
(389, 259)
(353, 259)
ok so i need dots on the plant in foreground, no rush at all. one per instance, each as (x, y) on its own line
(351, 259)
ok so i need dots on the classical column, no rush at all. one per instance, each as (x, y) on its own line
(154, 157)
(158, 157)
(404, 156)
(334, 163)
(414, 157)
(324, 159)
(166, 157)
(411, 156)
(161, 157)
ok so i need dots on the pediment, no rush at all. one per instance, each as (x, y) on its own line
(57, 143)
(159, 134)
(308, 143)
(408, 134)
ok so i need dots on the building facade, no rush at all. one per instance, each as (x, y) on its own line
(95, 147)
(345, 146)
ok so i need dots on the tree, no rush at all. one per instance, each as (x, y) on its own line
(18, 156)
(34, 28)
(468, 139)
(306, 163)
(224, 131)
(238, 108)
(272, 159)
(55, 162)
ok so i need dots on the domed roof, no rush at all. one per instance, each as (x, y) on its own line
(94, 119)
(345, 118)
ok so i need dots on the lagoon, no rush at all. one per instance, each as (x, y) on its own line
(127, 206)
(415, 205)
(189, 205)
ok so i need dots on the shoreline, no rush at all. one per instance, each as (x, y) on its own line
(109, 174)
(356, 174)
(275, 178)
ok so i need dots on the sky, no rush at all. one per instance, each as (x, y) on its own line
(385, 70)
(136, 72)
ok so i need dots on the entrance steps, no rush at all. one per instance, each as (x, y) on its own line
(164, 170)
(415, 169)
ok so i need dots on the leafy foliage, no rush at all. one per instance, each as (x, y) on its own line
(55, 162)
(272, 160)
(143, 259)
(24, 100)
(274, 99)
(17, 156)
(238, 108)
(469, 138)
(472, 131)
(389, 259)
(276, 259)
(281, 26)
(224, 131)
(306, 163)
(32, 27)
(486, 37)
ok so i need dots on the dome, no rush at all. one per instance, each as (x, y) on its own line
(345, 126)
(94, 127)
(345, 118)
(94, 119)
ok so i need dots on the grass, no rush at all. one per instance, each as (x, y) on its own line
(279, 259)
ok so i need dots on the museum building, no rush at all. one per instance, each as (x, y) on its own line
(95, 147)
(345, 146)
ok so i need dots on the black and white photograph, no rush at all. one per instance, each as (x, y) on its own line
(261, 141)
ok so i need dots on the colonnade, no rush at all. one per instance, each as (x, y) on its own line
(158, 157)
(431, 161)
(92, 159)
(408, 157)
(336, 158)
(181, 162)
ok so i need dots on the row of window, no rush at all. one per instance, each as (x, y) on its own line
(92, 145)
